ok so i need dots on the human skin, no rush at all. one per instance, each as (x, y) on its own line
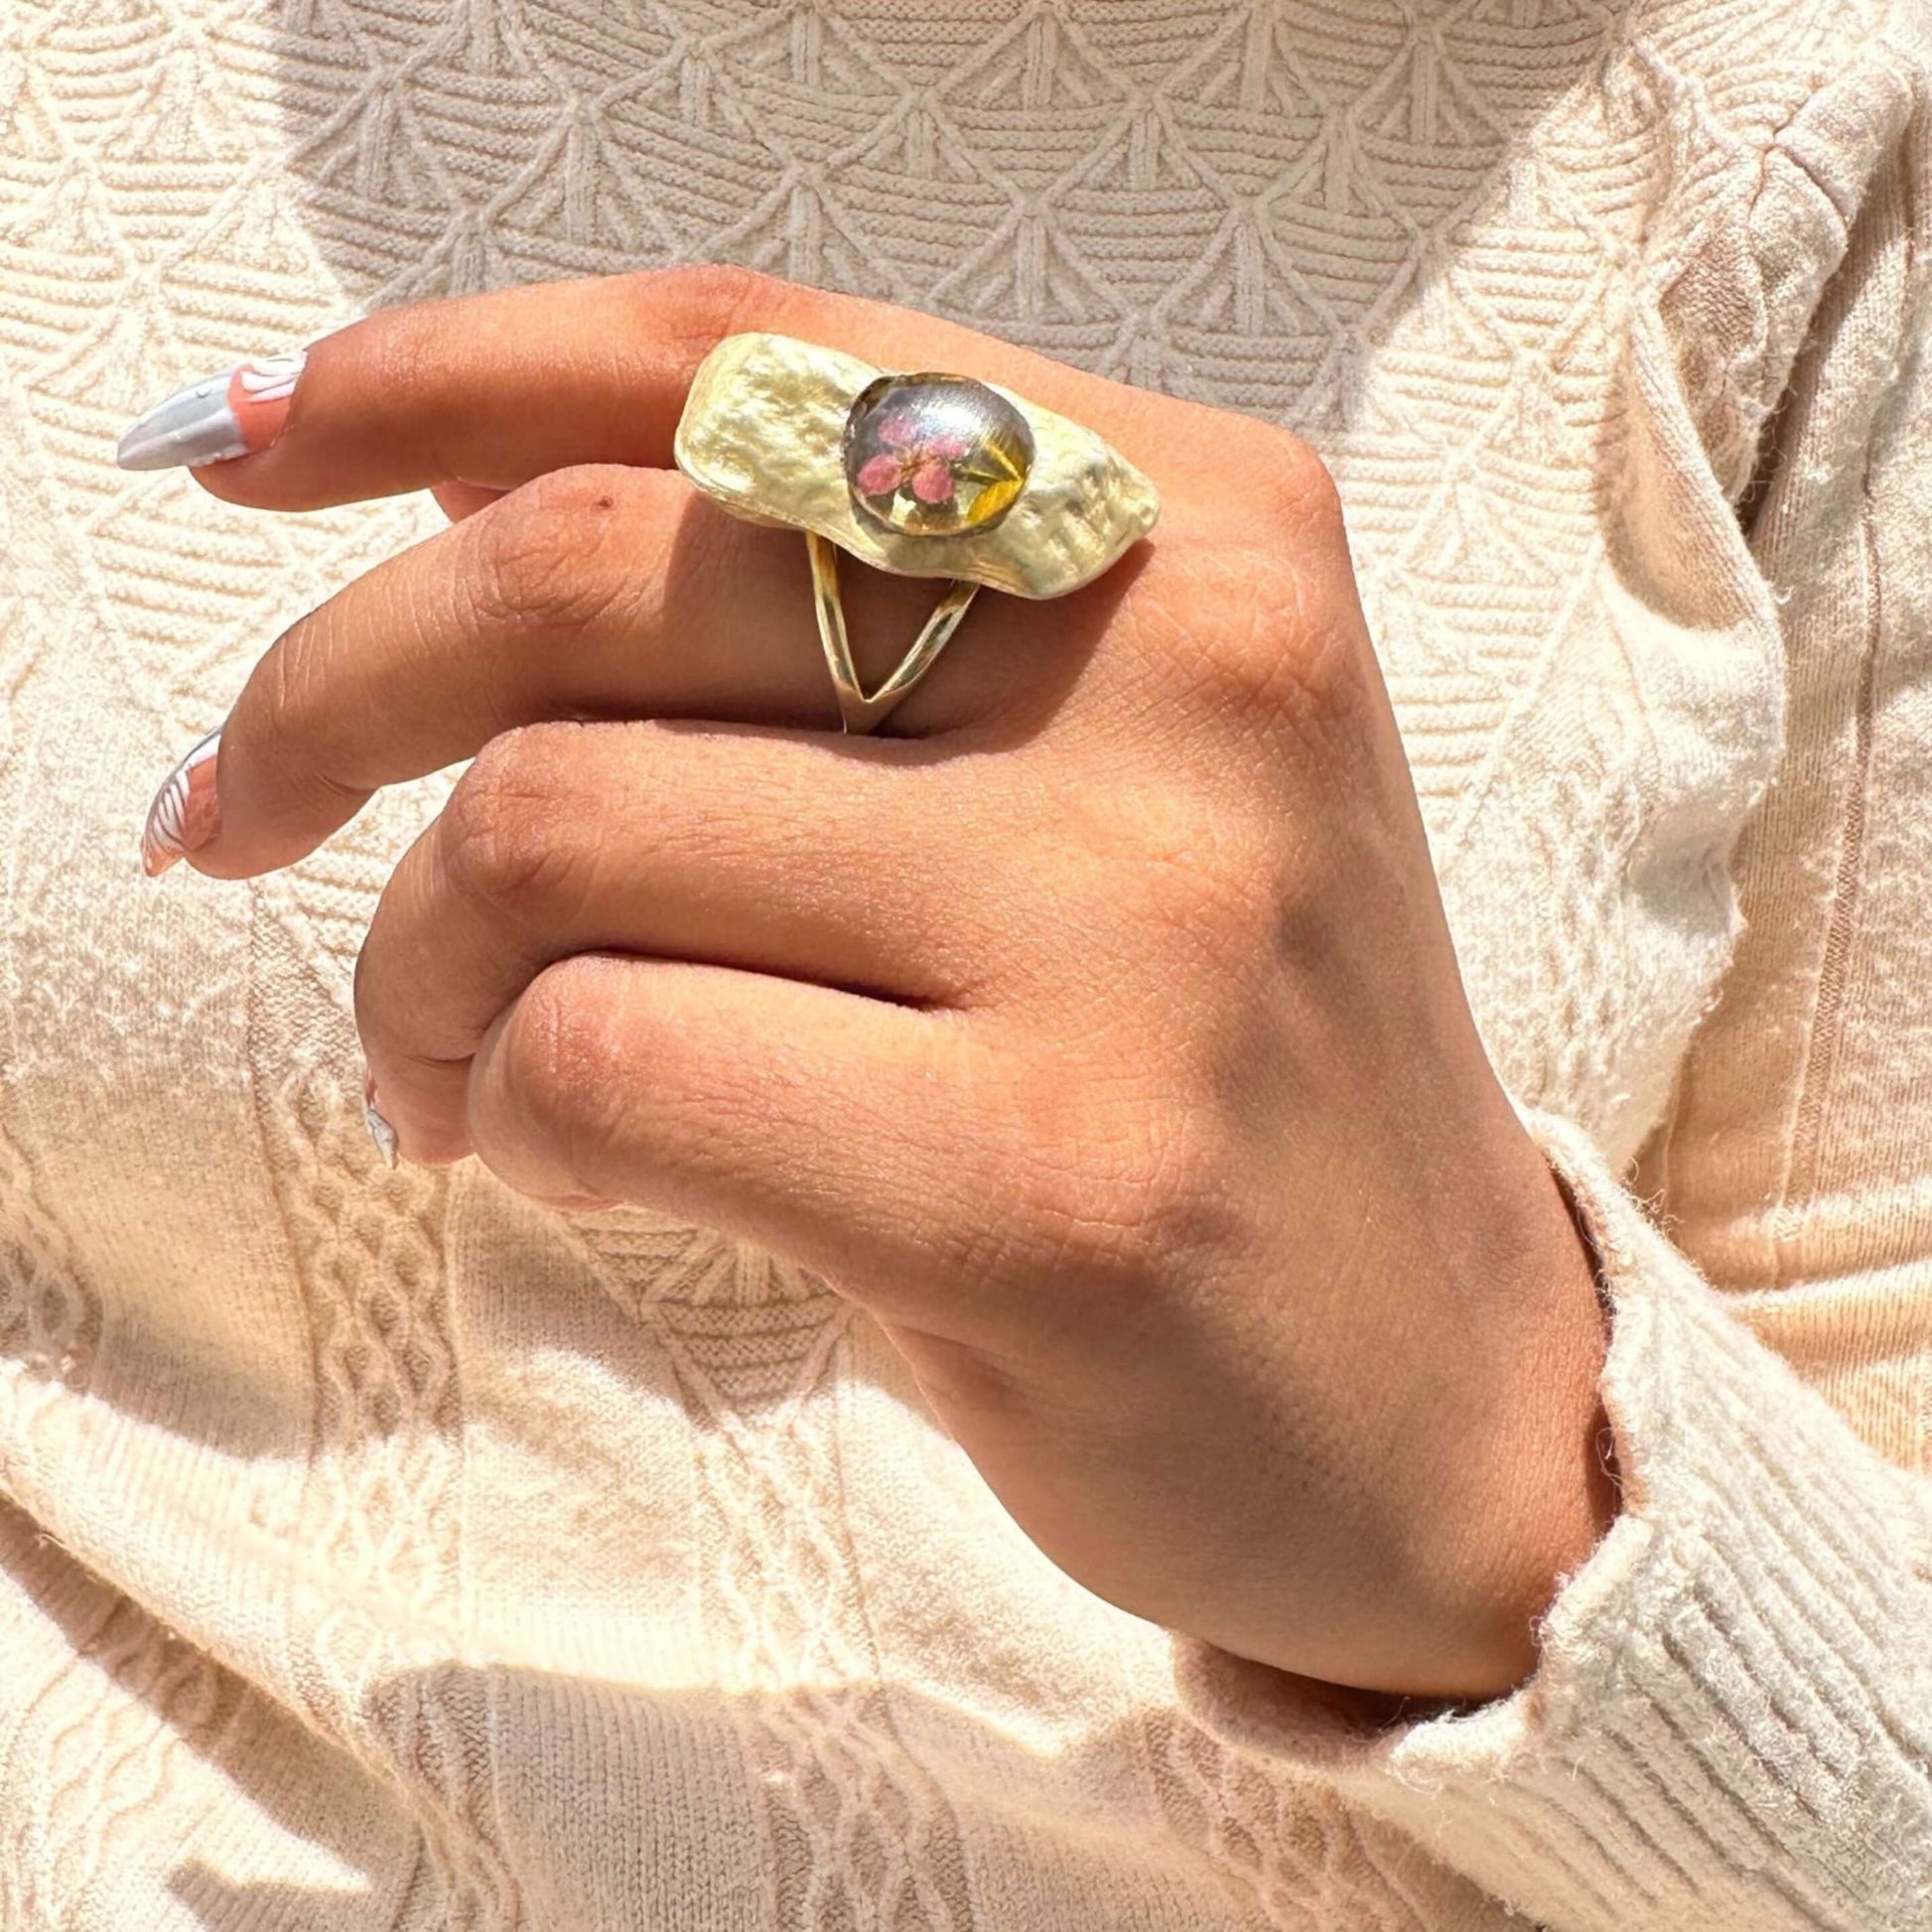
(1096, 1026)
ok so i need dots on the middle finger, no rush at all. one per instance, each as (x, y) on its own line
(590, 593)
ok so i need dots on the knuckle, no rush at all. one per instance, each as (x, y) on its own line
(550, 1049)
(546, 556)
(571, 1057)
(1114, 1182)
(694, 306)
(1297, 491)
(1146, 1200)
(1171, 862)
(505, 837)
(1173, 1203)
(289, 700)
(405, 352)
(1213, 901)
(1203, 874)
(565, 1060)
(1170, 830)
(709, 300)
(1226, 934)
(1287, 646)
(1299, 652)
(291, 716)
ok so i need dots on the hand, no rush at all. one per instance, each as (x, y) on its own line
(1098, 1029)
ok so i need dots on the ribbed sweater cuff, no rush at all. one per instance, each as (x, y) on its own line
(1731, 1725)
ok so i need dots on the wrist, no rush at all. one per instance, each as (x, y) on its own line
(1512, 1485)
(1544, 1489)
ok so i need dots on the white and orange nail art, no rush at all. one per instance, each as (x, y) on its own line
(185, 813)
(225, 416)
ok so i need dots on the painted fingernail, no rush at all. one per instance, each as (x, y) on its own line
(380, 1132)
(225, 416)
(185, 813)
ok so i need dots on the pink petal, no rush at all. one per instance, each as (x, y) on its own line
(932, 482)
(949, 449)
(898, 432)
(880, 475)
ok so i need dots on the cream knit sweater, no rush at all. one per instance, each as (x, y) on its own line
(378, 1550)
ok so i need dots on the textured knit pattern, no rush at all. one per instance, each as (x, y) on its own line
(378, 1550)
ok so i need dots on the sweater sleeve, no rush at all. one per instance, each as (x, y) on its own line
(1730, 1722)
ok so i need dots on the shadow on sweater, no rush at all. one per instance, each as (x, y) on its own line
(850, 1785)
(430, 1822)
(1227, 202)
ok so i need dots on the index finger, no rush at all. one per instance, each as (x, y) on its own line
(492, 391)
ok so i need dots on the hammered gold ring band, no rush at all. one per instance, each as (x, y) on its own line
(921, 473)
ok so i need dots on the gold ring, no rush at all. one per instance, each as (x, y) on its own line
(923, 475)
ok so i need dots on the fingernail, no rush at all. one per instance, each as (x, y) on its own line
(225, 416)
(185, 813)
(380, 1132)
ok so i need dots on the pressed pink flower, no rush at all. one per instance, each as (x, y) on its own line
(932, 482)
(923, 464)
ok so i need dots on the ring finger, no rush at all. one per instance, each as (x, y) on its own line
(805, 858)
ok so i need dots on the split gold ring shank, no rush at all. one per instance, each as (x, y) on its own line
(923, 475)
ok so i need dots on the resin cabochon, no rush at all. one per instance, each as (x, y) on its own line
(763, 435)
(933, 454)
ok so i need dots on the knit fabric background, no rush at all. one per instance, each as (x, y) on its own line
(378, 1550)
